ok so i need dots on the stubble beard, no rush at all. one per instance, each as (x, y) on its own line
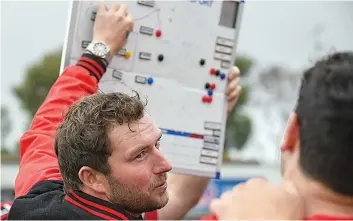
(133, 199)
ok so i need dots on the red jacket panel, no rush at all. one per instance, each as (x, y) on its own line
(38, 158)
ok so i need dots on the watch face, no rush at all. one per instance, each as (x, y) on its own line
(100, 49)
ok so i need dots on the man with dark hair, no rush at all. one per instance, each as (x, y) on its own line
(316, 151)
(323, 121)
(106, 163)
(108, 147)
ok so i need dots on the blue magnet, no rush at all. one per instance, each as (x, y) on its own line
(223, 75)
(150, 80)
(210, 92)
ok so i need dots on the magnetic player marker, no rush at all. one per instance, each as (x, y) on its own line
(150, 80)
(160, 57)
(223, 76)
(204, 98)
(212, 71)
(218, 72)
(210, 92)
(202, 62)
(127, 54)
(207, 99)
(158, 33)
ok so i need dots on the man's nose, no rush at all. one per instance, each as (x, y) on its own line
(161, 165)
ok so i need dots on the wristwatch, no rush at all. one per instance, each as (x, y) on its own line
(100, 49)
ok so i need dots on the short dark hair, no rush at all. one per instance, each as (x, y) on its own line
(82, 137)
(325, 114)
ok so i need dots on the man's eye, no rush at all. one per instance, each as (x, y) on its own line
(158, 144)
(141, 155)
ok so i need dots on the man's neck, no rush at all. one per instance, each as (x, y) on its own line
(319, 199)
(133, 214)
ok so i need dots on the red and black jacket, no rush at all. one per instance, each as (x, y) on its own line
(39, 189)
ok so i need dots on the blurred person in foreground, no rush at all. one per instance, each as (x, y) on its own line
(106, 163)
(317, 154)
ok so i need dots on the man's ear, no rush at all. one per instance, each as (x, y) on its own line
(291, 134)
(92, 179)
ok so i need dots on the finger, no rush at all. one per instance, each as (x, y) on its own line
(130, 20)
(234, 95)
(123, 10)
(101, 6)
(129, 17)
(114, 7)
(233, 100)
(232, 85)
(234, 72)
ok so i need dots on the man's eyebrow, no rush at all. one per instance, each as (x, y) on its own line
(140, 148)
(136, 150)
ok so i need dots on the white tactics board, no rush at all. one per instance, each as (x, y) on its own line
(178, 56)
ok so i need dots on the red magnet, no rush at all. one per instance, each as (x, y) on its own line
(207, 99)
(158, 32)
(212, 86)
(204, 98)
(213, 71)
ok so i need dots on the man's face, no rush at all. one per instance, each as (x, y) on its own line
(138, 169)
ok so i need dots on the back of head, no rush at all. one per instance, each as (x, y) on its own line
(325, 118)
(82, 137)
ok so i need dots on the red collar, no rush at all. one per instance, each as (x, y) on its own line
(98, 207)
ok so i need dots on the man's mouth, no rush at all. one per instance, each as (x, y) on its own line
(163, 185)
(163, 181)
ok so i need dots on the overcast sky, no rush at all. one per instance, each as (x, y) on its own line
(272, 32)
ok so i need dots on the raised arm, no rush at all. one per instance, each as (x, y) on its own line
(38, 159)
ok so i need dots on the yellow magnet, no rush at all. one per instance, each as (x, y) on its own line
(127, 54)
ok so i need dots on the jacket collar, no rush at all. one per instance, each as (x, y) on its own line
(98, 207)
